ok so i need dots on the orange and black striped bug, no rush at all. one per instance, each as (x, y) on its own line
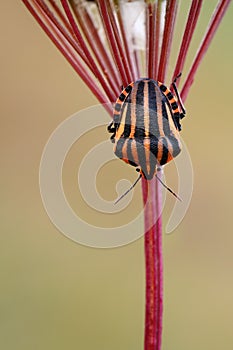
(145, 127)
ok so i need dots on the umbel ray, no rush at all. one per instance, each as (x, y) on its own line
(146, 126)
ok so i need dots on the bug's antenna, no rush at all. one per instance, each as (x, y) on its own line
(123, 195)
(174, 194)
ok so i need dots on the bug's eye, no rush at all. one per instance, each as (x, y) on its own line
(138, 170)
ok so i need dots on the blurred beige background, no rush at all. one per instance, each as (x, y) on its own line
(56, 294)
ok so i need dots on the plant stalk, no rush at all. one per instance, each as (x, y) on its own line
(154, 263)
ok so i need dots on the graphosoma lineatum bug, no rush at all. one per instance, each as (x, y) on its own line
(146, 124)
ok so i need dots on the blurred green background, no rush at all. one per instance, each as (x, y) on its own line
(56, 294)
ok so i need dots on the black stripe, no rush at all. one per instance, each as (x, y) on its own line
(174, 105)
(154, 146)
(140, 129)
(141, 154)
(153, 121)
(127, 126)
(165, 152)
(153, 154)
(163, 88)
(121, 97)
(176, 119)
(166, 125)
(128, 88)
(170, 96)
(175, 145)
(119, 145)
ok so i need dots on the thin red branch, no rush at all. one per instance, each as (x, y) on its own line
(154, 263)
(84, 47)
(171, 12)
(188, 33)
(120, 45)
(112, 41)
(96, 46)
(157, 40)
(152, 189)
(151, 38)
(60, 42)
(129, 54)
(65, 31)
(60, 14)
(213, 25)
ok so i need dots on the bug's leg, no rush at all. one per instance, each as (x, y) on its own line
(112, 138)
(182, 115)
(177, 117)
(111, 127)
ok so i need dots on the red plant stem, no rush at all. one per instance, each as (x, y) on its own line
(188, 33)
(213, 25)
(112, 42)
(78, 35)
(119, 43)
(171, 11)
(60, 42)
(59, 13)
(154, 263)
(96, 46)
(150, 33)
(67, 33)
(152, 198)
(156, 47)
(129, 54)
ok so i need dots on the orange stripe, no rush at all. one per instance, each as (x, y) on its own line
(147, 153)
(172, 100)
(124, 151)
(160, 150)
(133, 111)
(146, 109)
(134, 151)
(159, 110)
(120, 130)
(170, 150)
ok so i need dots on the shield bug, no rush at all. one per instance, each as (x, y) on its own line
(146, 125)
